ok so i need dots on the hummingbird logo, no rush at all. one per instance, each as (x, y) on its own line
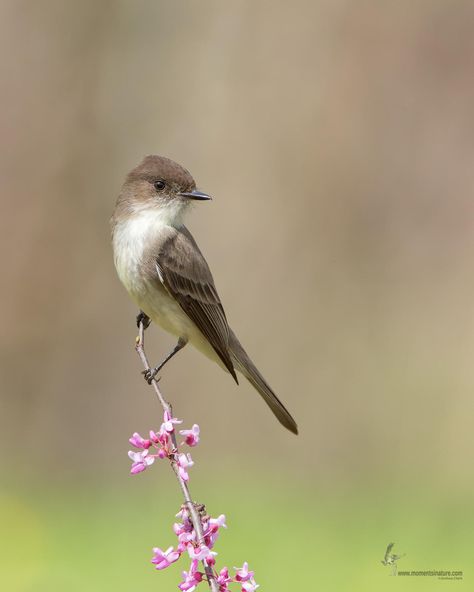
(391, 559)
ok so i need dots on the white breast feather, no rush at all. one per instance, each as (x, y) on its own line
(133, 235)
(130, 239)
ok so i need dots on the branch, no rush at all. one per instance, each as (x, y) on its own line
(190, 505)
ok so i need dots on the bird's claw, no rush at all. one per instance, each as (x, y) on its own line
(150, 375)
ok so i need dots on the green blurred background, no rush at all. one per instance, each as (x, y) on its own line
(343, 133)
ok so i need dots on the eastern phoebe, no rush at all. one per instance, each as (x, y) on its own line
(165, 273)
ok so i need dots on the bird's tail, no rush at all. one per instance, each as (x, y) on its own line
(245, 366)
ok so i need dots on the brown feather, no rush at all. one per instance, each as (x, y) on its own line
(189, 281)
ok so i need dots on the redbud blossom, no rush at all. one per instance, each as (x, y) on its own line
(139, 442)
(211, 530)
(211, 558)
(163, 559)
(161, 445)
(191, 436)
(168, 422)
(159, 438)
(218, 522)
(184, 462)
(200, 552)
(223, 578)
(191, 578)
(243, 574)
(250, 586)
(141, 461)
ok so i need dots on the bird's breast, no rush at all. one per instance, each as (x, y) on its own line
(134, 242)
(129, 244)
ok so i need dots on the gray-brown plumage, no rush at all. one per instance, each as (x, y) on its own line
(192, 285)
(164, 271)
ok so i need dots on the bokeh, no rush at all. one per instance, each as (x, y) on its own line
(337, 140)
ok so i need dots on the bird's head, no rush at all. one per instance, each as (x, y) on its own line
(160, 186)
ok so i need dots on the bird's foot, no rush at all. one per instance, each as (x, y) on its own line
(150, 374)
(144, 319)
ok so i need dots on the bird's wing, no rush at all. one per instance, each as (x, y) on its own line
(189, 280)
(387, 552)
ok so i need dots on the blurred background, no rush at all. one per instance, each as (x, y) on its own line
(337, 139)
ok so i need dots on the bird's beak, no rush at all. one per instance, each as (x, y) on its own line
(195, 195)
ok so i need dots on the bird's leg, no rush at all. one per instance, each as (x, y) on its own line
(152, 372)
(143, 318)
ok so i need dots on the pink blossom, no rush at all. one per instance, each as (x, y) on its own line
(178, 528)
(185, 538)
(168, 422)
(219, 521)
(159, 438)
(163, 559)
(182, 547)
(183, 514)
(139, 442)
(184, 462)
(191, 578)
(211, 529)
(200, 552)
(160, 445)
(211, 558)
(243, 574)
(186, 524)
(250, 585)
(223, 578)
(184, 530)
(191, 436)
(141, 461)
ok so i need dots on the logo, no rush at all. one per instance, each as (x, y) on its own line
(391, 559)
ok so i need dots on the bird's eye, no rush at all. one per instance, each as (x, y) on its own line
(159, 185)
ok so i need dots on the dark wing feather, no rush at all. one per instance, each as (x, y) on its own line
(387, 552)
(189, 280)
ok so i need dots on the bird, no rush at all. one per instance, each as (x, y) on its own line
(391, 559)
(163, 270)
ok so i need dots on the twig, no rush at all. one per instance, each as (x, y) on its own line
(194, 514)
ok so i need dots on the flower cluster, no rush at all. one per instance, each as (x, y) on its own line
(201, 551)
(160, 445)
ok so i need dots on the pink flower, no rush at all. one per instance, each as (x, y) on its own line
(243, 574)
(250, 585)
(168, 422)
(191, 578)
(163, 559)
(186, 524)
(184, 530)
(141, 461)
(159, 438)
(139, 442)
(185, 538)
(184, 462)
(160, 445)
(200, 552)
(223, 578)
(191, 436)
(178, 528)
(183, 514)
(211, 529)
(219, 521)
